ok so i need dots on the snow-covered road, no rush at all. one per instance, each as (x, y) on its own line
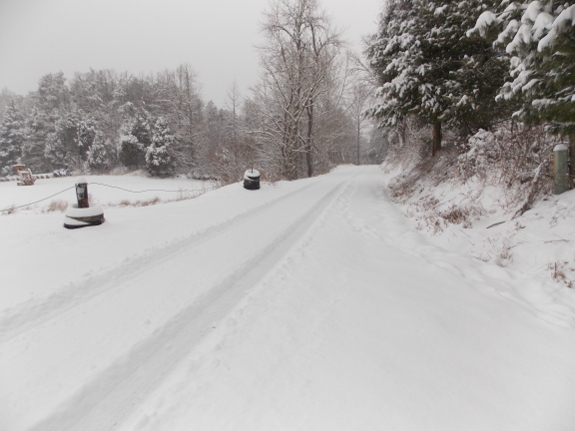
(303, 306)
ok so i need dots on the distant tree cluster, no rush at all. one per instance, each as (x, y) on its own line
(301, 118)
(100, 120)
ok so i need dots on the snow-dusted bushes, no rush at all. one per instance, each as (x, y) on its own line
(513, 158)
(517, 157)
(480, 153)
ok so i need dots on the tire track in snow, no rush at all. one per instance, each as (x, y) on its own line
(20, 319)
(109, 399)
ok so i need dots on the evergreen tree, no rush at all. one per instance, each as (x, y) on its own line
(159, 157)
(70, 142)
(53, 93)
(554, 97)
(134, 141)
(38, 127)
(6, 98)
(62, 149)
(541, 37)
(55, 152)
(86, 132)
(180, 102)
(11, 138)
(388, 55)
(428, 67)
(101, 155)
(131, 152)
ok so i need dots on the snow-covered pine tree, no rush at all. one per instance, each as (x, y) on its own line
(540, 35)
(64, 148)
(428, 67)
(555, 101)
(101, 155)
(55, 152)
(475, 84)
(11, 138)
(86, 134)
(159, 157)
(136, 137)
(53, 92)
(38, 127)
(130, 151)
(389, 56)
(543, 66)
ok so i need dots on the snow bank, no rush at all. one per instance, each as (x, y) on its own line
(533, 253)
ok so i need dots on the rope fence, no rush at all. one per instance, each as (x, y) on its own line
(193, 191)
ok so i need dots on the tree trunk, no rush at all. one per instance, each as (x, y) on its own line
(358, 136)
(308, 145)
(437, 137)
(571, 159)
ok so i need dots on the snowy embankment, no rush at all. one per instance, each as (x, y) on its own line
(532, 257)
(313, 304)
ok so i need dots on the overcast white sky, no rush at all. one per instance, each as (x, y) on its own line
(216, 37)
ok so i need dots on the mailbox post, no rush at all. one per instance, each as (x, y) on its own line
(82, 193)
(82, 214)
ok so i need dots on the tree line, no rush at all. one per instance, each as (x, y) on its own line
(474, 67)
(299, 120)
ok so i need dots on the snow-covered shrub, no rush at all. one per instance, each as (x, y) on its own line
(480, 154)
(514, 156)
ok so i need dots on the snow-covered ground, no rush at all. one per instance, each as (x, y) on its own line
(306, 305)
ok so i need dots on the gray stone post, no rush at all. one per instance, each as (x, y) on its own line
(560, 169)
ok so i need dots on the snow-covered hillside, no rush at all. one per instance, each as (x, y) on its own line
(313, 304)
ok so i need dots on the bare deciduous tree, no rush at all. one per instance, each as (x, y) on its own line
(300, 65)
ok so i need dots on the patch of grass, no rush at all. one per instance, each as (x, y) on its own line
(8, 211)
(127, 203)
(149, 202)
(57, 205)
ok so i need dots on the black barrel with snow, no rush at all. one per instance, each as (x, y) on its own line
(252, 179)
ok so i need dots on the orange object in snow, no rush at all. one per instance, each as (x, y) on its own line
(25, 175)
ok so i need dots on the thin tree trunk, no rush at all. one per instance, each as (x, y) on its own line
(308, 146)
(437, 137)
(358, 136)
